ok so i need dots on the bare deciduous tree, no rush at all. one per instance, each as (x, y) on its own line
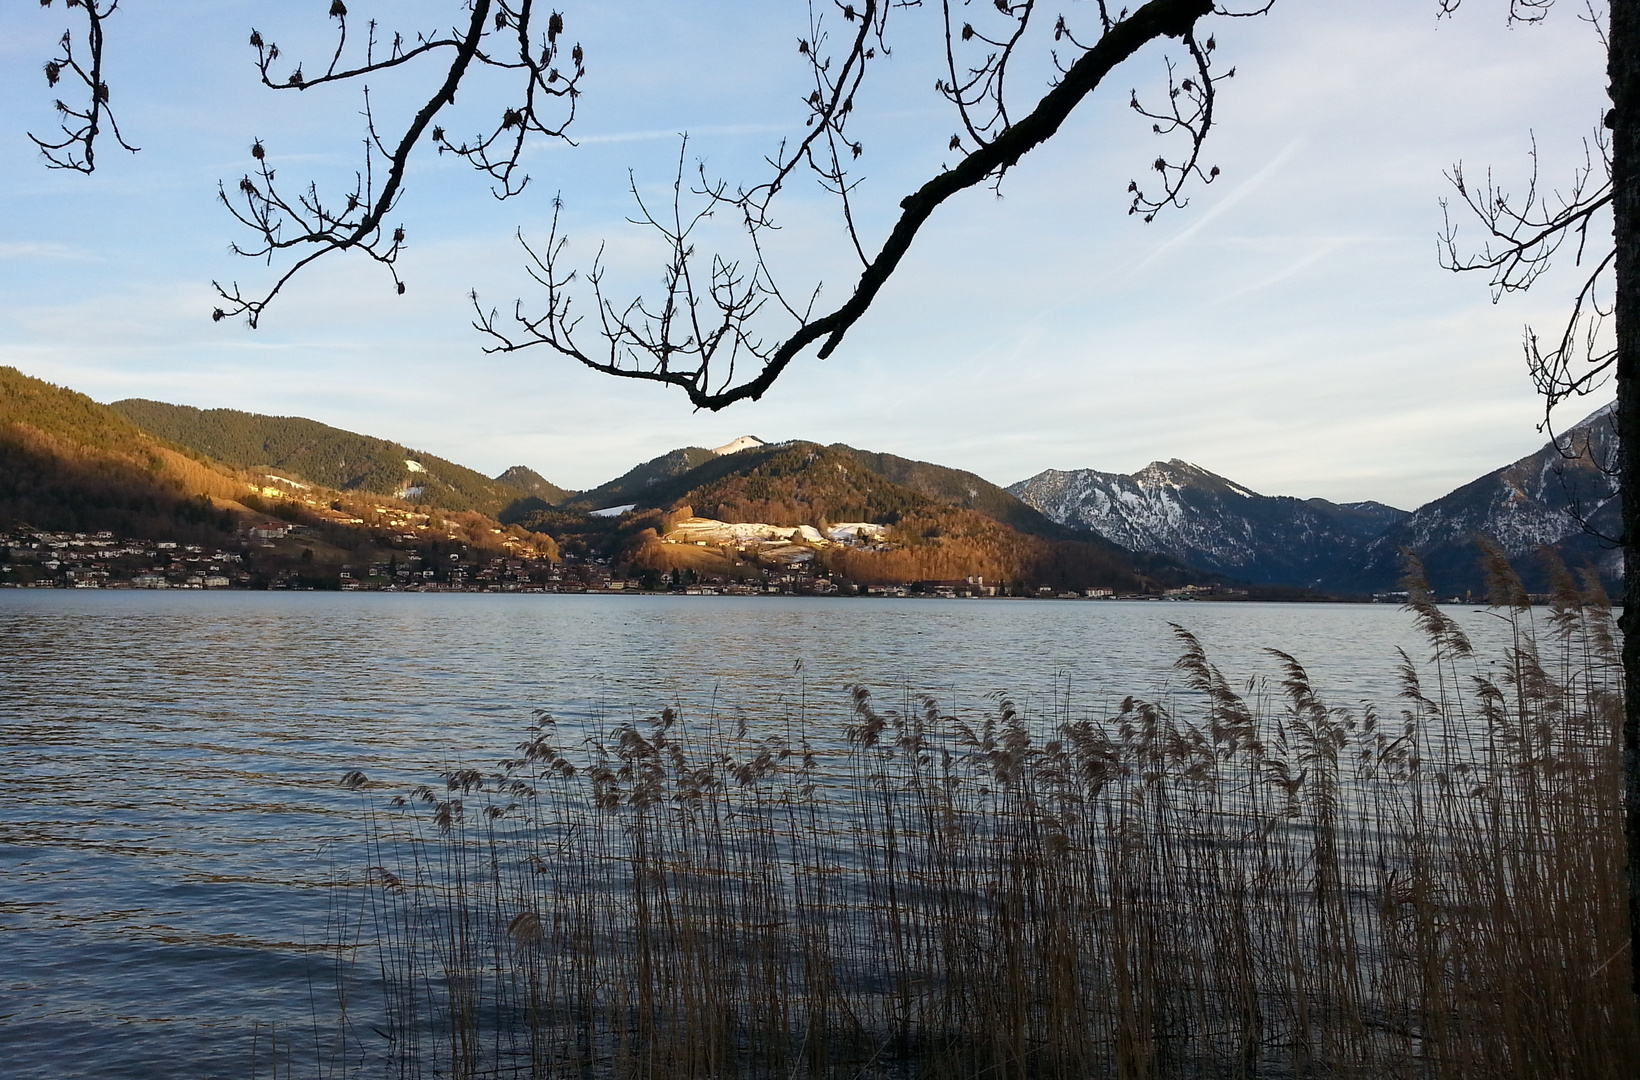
(724, 329)
(714, 332)
(504, 35)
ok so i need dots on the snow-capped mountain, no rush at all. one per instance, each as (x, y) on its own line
(1182, 510)
(1179, 509)
(1544, 499)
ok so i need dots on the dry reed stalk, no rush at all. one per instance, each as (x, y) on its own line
(1222, 885)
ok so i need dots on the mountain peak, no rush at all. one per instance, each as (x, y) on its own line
(1176, 473)
(527, 479)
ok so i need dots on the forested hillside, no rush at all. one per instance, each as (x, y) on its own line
(634, 484)
(969, 490)
(321, 454)
(68, 463)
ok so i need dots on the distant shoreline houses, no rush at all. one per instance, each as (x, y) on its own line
(102, 560)
(275, 554)
(40, 559)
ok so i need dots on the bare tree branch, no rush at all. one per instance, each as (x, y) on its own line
(1520, 11)
(77, 149)
(1190, 109)
(308, 227)
(699, 337)
(1522, 236)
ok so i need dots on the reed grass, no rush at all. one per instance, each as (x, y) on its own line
(1231, 883)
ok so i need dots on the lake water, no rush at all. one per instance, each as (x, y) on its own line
(170, 812)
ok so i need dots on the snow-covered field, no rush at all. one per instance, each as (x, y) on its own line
(780, 543)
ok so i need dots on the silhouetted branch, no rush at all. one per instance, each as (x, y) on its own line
(77, 149)
(1190, 110)
(1581, 450)
(1523, 234)
(309, 226)
(699, 337)
(1520, 11)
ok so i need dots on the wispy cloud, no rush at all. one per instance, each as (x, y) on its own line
(671, 134)
(1322, 248)
(28, 249)
(1240, 192)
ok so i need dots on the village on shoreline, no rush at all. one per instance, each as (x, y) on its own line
(269, 557)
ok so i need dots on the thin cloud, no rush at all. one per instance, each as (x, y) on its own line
(665, 133)
(27, 249)
(1246, 188)
(1322, 249)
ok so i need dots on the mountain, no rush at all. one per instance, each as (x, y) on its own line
(533, 483)
(321, 454)
(69, 464)
(1201, 518)
(954, 487)
(1543, 499)
(146, 468)
(795, 484)
(633, 484)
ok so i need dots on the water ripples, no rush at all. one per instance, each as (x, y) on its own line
(171, 818)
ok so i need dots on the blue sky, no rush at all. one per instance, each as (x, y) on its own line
(1290, 329)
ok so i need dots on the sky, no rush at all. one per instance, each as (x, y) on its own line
(1291, 328)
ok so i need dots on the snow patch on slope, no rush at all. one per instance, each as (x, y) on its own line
(745, 442)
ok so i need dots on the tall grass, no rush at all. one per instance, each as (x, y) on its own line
(1234, 883)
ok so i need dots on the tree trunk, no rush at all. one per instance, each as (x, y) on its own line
(1623, 67)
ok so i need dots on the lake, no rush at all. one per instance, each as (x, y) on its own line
(171, 811)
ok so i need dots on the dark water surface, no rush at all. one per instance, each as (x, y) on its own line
(170, 812)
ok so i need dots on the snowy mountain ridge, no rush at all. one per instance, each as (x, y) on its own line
(1562, 496)
(1180, 509)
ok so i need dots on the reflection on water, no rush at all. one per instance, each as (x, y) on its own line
(170, 812)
